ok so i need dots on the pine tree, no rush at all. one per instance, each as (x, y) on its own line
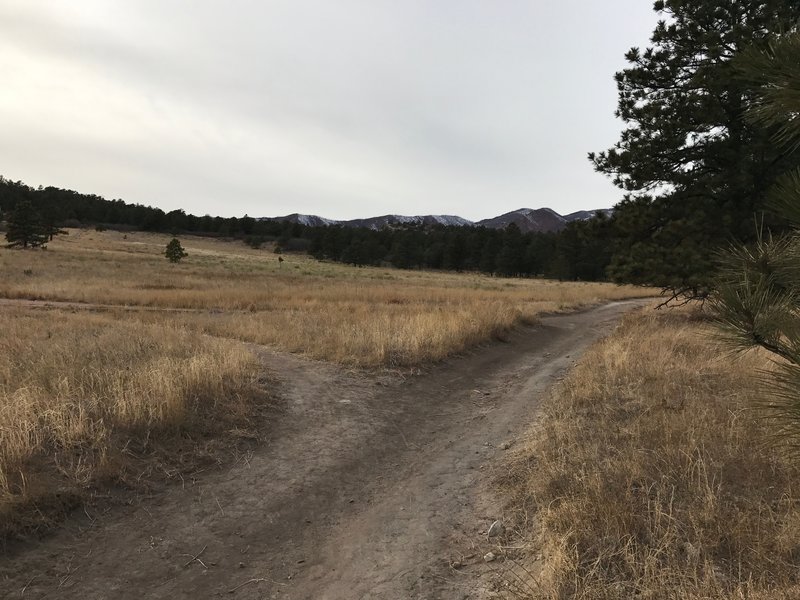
(355, 254)
(490, 249)
(509, 259)
(407, 250)
(174, 251)
(25, 227)
(757, 302)
(695, 171)
(50, 229)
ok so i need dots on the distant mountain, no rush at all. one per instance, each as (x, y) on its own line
(401, 221)
(307, 220)
(539, 220)
(582, 215)
(528, 219)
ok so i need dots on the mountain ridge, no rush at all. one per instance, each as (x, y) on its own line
(538, 220)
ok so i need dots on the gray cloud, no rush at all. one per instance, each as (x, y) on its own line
(344, 109)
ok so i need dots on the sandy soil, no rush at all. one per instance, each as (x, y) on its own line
(370, 486)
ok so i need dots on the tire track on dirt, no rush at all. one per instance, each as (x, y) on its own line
(368, 486)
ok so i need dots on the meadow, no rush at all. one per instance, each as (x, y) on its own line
(110, 353)
(652, 474)
(366, 317)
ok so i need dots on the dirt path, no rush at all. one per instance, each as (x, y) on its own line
(368, 488)
(94, 307)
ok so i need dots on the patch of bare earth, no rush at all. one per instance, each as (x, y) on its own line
(368, 486)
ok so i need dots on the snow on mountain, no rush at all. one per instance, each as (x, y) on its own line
(307, 220)
(527, 219)
(315, 221)
(378, 223)
(582, 215)
(452, 220)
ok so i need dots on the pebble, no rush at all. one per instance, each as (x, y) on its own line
(496, 529)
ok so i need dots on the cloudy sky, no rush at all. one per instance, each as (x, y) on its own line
(345, 108)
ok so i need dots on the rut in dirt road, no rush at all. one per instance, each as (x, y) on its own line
(369, 487)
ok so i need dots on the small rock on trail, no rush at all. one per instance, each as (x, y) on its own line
(496, 529)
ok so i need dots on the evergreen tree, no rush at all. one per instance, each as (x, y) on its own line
(355, 254)
(247, 224)
(333, 242)
(585, 248)
(694, 169)
(758, 297)
(406, 250)
(25, 227)
(538, 253)
(175, 251)
(434, 255)
(490, 249)
(454, 252)
(51, 229)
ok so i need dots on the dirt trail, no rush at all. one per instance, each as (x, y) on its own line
(368, 488)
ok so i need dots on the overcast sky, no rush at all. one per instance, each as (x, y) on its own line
(340, 108)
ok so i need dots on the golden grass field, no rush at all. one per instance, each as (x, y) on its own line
(649, 475)
(150, 348)
(359, 316)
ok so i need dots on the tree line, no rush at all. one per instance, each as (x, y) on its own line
(569, 254)
(74, 209)
(578, 252)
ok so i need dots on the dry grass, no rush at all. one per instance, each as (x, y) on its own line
(80, 392)
(84, 391)
(384, 325)
(357, 316)
(648, 477)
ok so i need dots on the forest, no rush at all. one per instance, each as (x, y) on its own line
(579, 252)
